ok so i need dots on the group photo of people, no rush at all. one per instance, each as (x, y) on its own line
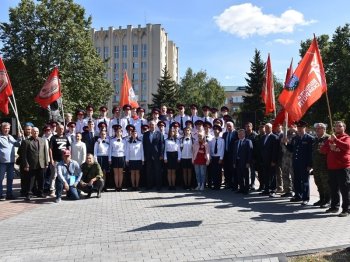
(90, 153)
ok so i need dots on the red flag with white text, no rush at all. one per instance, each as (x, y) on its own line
(268, 90)
(51, 91)
(5, 88)
(306, 85)
(127, 95)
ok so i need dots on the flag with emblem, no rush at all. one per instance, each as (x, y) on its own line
(5, 88)
(306, 85)
(127, 94)
(51, 91)
(268, 90)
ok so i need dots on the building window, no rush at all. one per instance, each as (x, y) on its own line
(105, 52)
(125, 51)
(136, 87)
(143, 76)
(135, 76)
(125, 66)
(135, 50)
(144, 50)
(116, 52)
(116, 76)
(117, 88)
(143, 65)
(117, 98)
(116, 67)
(98, 50)
(135, 65)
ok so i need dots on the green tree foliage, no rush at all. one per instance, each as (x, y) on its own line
(198, 88)
(335, 54)
(167, 93)
(48, 33)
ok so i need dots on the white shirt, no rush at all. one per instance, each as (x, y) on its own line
(209, 137)
(220, 147)
(172, 146)
(134, 151)
(117, 147)
(79, 125)
(138, 124)
(78, 151)
(124, 122)
(101, 148)
(186, 146)
(112, 122)
(184, 119)
(207, 119)
(100, 120)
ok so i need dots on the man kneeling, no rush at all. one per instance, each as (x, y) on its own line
(92, 179)
(68, 177)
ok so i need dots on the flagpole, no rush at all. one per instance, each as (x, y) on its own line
(64, 119)
(16, 115)
(329, 111)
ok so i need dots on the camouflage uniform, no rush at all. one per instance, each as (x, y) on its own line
(320, 169)
(286, 165)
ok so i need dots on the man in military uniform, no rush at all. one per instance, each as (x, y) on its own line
(320, 166)
(301, 146)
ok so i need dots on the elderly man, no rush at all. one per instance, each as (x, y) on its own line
(34, 161)
(68, 177)
(92, 179)
(320, 166)
(230, 136)
(7, 159)
(337, 148)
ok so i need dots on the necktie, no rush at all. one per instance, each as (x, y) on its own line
(118, 140)
(141, 122)
(216, 146)
(192, 119)
(205, 119)
(117, 121)
(182, 123)
(239, 145)
(150, 136)
(134, 141)
(187, 139)
(91, 135)
(128, 121)
(228, 139)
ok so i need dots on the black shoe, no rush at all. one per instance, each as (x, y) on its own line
(295, 199)
(344, 214)
(273, 195)
(28, 198)
(265, 193)
(332, 210)
(318, 203)
(288, 194)
(10, 197)
(99, 194)
(325, 205)
(2, 198)
(88, 195)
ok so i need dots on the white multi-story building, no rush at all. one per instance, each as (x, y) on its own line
(143, 52)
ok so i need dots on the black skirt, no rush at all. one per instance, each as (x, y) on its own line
(103, 161)
(135, 164)
(172, 160)
(118, 162)
(186, 162)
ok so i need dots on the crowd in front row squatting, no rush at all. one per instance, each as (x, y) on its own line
(128, 151)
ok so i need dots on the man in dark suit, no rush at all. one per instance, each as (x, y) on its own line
(89, 138)
(242, 159)
(153, 147)
(269, 156)
(35, 159)
(230, 136)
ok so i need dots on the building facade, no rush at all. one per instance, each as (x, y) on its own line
(234, 97)
(143, 52)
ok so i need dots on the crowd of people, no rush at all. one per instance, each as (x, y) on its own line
(87, 154)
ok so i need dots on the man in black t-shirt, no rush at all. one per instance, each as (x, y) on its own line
(58, 143)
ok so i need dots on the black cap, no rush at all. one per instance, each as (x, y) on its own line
(155, 110)
(198, 122)
(205, 108)
(193, 106)
(217, 127)
(140, 109)
(217, 120)
(116, 127)
(175, 124)
(208, 124)
(170, 111)
(213, 110)
(130, 127)
(103, 108)
(70, 124)
(301, 123)
(101, 124)
(115, 108)
(189, 122)
(161, 122)
(89, 108)
(224, 108)
(80, 112)
(126, 107)
(179, 106)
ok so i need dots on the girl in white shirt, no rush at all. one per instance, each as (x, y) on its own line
(78, 149)
(116, 156)
(101, 150)
(134, 158)
(172, 156)
(186, 143)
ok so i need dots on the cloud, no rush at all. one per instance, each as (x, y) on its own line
(246, 20)
(284, 41)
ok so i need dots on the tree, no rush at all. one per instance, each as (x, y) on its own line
(198, 88)
(167, 93)
(252, 106)
(40, 36)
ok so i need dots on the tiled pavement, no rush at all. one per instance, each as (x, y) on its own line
(166, 226)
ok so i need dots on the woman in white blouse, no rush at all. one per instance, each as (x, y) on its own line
(101, 150)
(116, 156)
(186, 143)
(172, 156)
(78, 149)
(134, 158)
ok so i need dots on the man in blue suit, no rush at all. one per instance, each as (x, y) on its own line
(153, 147)
(230, 136)
(242, 159)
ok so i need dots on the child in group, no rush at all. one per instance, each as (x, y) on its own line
(201, 159)
(172, 156)
(186, 144)
(116, 156)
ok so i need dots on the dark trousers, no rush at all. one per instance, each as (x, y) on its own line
(301, 182)
(269, 177)
(242, 176)
(96, 186)
(229, 171)
(215, 175)
(72, 193)
(339, 180)
(24, 175)
(34, 177)
(252, 174)
(154, 176)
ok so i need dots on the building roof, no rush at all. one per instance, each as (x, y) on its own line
(234, 88)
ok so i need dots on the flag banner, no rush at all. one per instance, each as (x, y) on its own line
(5, 89)
(268, 90)
(127, 95)
(306, 85)
(280, 118)
(51, 91)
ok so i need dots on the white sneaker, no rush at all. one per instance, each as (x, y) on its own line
(202, 188)
(58, 200)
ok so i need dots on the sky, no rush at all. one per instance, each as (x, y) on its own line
(220, 36)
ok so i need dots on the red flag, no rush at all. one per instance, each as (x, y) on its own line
(289, 73)
(280, 118)
(51, 91)
(5, 88)
(306, 85)
(127, 95)
(268, 90)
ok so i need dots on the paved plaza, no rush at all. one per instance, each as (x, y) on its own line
(166, 226)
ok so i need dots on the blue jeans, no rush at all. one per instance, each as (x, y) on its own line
(72, 193)
(200, 173)
(9, 169)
